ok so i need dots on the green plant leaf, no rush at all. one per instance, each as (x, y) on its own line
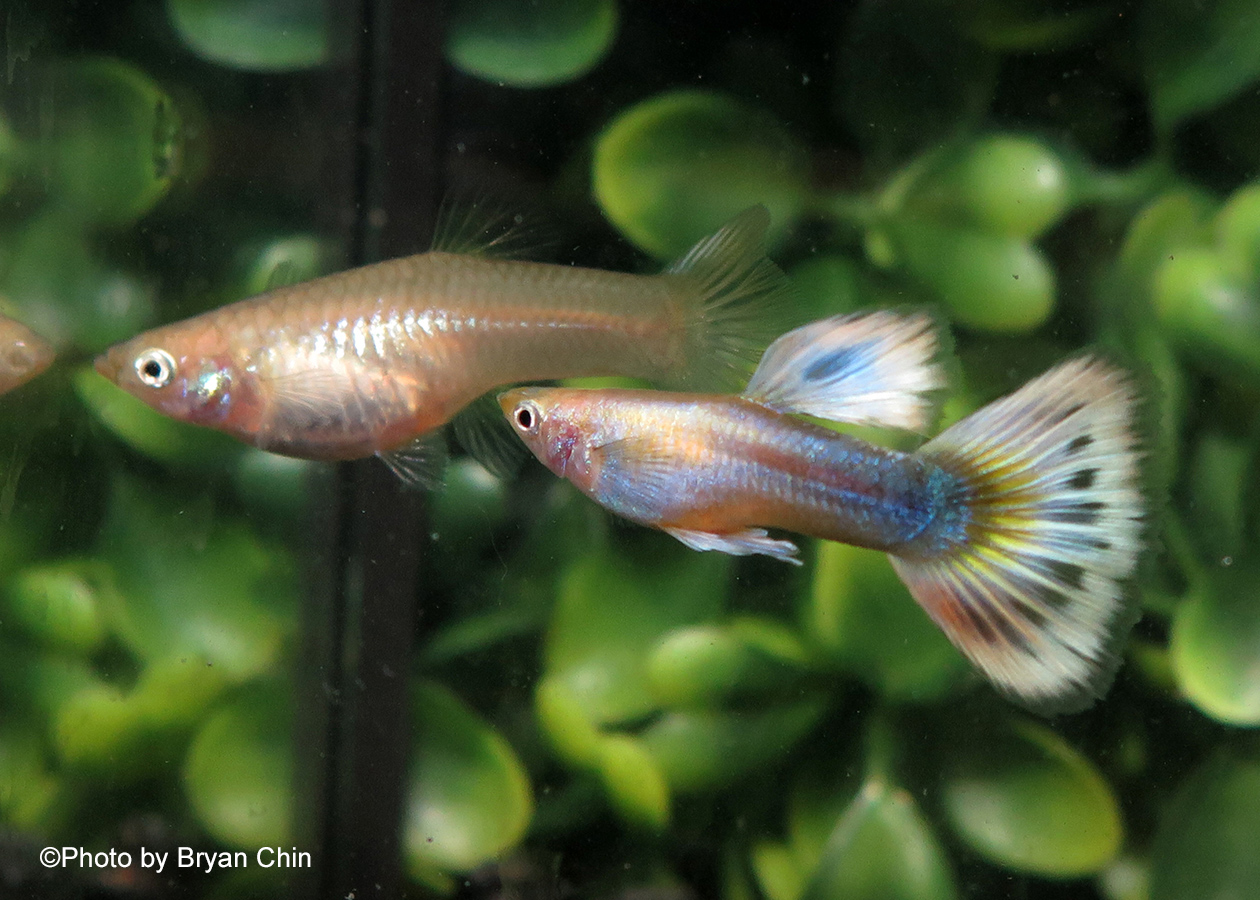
(190, 584)
(881, 847)
(704, 749)
(1026, 800)
(608, 615)
(530, 43)
(987, 281)
(1215, 645)
(254, 35)
(1205, 846)
(468, 797)
(114, 145)
(239, 773)
(1197, 56)
(711, 664)
(676, 167)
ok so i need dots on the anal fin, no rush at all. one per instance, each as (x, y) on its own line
(749, 542)
(420, 463)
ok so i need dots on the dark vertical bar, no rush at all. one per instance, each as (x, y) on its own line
(363, 622)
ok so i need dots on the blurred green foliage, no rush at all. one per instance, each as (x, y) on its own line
(604, 710)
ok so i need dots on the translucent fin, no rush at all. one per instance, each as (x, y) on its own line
(482, 226)
(481, 429)
(738, 292)
(1048, 523)
(748, 542)
(420, 463)
(877, 368)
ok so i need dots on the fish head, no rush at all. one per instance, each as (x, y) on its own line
(23, 355)
(189, 375)
(559, 427)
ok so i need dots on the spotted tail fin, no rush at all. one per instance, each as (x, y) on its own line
(1032, 587)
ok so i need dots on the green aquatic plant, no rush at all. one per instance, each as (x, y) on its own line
(600, 710)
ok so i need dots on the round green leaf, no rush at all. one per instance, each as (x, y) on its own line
(634, 781)
(1024, 799)
(1009, 184)
(1197, 56)
(608, 615)
(60, 604)
(1205, 848)
(704, 749)
(710, 664)
(678, 166)
(1238, 229)
(210, 589)
(468, 797)
(882, 847)
(987, 281)
(114, 145)
(239, 774)
(254, 35)
(1210, 310)
(1215, 645)
(530, 43)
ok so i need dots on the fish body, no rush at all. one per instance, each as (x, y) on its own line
(1015, 529)
(723, 465)
(365, 361)
(23, 354)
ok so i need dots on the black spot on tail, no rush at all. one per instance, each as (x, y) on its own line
(1079, 513)
(833, 363)
(1077, 444)
(1083, 480)
(1069, 574)
(1067, 413)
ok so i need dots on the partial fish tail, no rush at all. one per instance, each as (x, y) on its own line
(737, 292)
(1027, 575)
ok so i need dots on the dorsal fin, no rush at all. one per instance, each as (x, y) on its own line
(482, 226)
(875, 368)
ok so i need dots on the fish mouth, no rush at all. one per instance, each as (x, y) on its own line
(107, 365)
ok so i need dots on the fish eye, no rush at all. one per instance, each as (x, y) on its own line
(526, 417)
(155, 367)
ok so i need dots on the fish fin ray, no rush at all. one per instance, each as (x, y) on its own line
(420, 463)
(738, 291)
(487, 226)
(878, 368)
(302, 400)
(481, 429)
(1036, 594)
(749, 542)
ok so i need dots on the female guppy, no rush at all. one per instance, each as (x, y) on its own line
(1015, 529)
(370, 360)
(23, 354)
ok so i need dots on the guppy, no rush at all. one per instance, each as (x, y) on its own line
(1015, 529)
(23, 354)
(372, 360)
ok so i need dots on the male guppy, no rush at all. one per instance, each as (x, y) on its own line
(1015, 529)
(23, 354)
(370, 360)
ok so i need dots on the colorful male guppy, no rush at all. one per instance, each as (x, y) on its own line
(23, 354)
(371, 360)
(1015, 529)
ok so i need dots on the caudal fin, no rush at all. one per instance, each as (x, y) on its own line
(738, 293)
(1032, 586)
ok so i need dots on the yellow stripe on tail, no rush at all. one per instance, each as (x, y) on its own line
(1035, 593)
